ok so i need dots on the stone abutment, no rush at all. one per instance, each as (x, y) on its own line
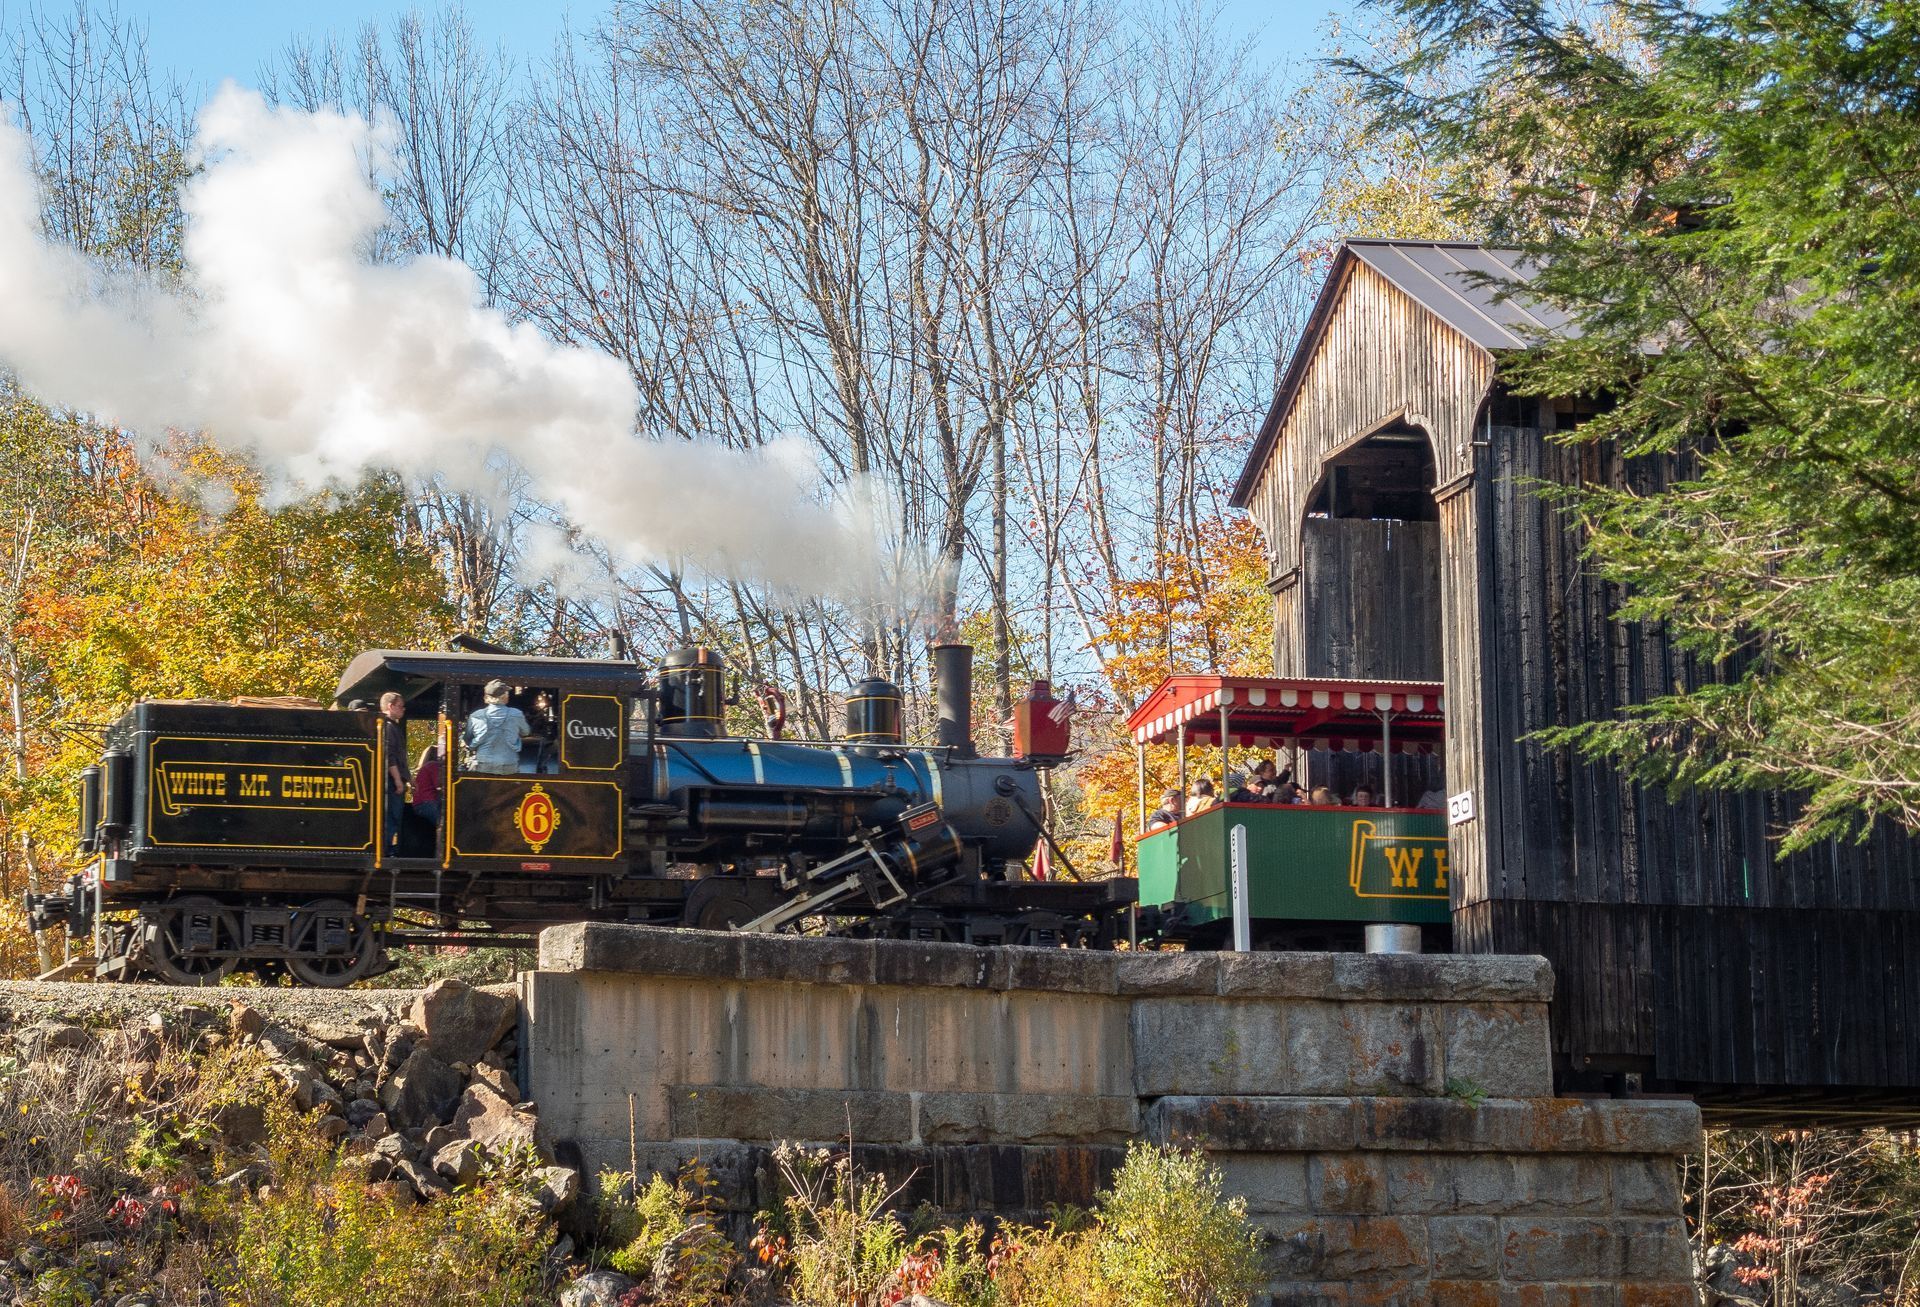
(1388, 1118)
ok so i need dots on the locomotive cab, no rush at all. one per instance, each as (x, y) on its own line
(557, 803)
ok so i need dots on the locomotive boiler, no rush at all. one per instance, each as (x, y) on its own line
(250, 835)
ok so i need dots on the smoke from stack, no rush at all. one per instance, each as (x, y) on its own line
(282, 345)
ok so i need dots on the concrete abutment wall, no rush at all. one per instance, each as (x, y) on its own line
(1387, 1118)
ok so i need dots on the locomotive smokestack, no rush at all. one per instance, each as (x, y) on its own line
(953, 696)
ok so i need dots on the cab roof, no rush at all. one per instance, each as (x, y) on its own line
(414, 671)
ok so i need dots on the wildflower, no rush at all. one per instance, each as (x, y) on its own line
(127, 1211)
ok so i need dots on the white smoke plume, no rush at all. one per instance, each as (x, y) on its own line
(281, 343)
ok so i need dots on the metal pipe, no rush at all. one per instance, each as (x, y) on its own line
(1383, 937)
(953, 697)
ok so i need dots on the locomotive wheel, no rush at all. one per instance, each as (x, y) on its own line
(332, 970)
(183, 941)
(723, 902)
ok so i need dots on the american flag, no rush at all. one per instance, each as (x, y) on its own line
(1063, 710)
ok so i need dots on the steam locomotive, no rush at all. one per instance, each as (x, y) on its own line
(248, 835)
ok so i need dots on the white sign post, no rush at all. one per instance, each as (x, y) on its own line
(1242, 911)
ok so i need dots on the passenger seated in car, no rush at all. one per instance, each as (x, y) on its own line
(1168, 812)
(1200, 797)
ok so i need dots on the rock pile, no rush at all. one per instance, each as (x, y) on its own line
(418, 1103)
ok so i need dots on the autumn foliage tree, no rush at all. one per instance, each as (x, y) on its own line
(186, 580)
(1204, 610)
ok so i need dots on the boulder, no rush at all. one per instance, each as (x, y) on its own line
(393, 1147)
(499, 1080)
(244, 1022)
(422, 1091)
(491, 1120)
(458, 1162)
(424, 1181)
(598, 1289)
(336, 1032)
(460, 1022)
(559, 1186)
(45, 1037)
(362, 1110)
(331, 1128)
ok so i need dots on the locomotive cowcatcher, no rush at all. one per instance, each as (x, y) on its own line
(248, 835)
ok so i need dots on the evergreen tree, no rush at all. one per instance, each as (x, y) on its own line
(1726, 201)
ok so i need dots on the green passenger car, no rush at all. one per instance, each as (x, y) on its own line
(1303, 865)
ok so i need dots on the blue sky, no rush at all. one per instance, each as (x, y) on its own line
(206, 41)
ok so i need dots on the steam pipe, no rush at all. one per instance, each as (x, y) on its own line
(953, 697)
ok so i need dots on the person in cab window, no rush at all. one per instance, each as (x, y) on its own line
(1322, 797)
(1363, 798)
(1168, 812)
(494, 733)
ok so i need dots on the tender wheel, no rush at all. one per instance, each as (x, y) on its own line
(191, 941)
(343, 938)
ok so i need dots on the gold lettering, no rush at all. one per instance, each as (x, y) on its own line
(1406, 865)
(1440, 865)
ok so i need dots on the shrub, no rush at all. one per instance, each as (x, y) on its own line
(1167, 1238)
(1162, 1236)
(320, 1238)
(846, 1245)
(664, 1235)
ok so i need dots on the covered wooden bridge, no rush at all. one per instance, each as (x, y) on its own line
(1396, 483)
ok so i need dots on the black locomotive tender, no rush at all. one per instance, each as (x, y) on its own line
(228, 836)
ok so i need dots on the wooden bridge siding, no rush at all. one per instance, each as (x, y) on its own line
(1676, 932)
(1373, 589)
(1723, 996)
(1570, 830)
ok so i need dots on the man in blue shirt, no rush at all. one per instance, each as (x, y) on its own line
(493, 734)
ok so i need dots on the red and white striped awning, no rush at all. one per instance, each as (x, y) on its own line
(1270, 712)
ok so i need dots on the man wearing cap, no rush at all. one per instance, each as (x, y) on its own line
(493, 734)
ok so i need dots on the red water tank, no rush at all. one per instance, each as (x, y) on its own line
(1041, 725)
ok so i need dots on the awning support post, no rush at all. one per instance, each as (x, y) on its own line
(1386, 757)
(1180, 752)
(1223, 753)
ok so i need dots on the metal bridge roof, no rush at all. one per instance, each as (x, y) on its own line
(1267, 711)
(1459, 282)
